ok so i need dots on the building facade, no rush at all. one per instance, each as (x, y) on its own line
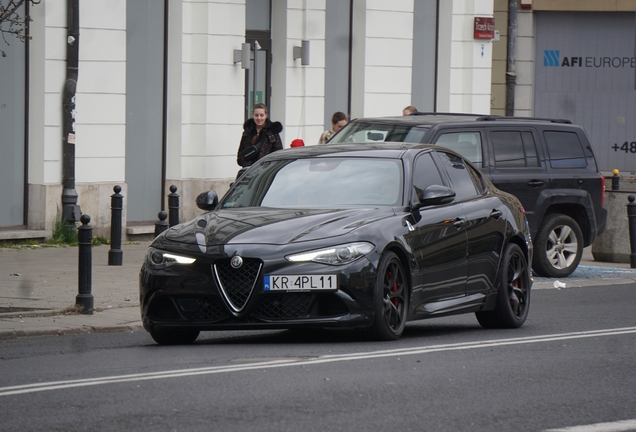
(164, 87)
(574, 60)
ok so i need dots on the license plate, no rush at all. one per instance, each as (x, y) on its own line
(301, 282)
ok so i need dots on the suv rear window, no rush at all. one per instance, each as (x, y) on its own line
(565, 149)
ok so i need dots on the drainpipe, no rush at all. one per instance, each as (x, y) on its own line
(27, 97)
(511, 72)
(70, 210)
(350, 71)
(435, 79)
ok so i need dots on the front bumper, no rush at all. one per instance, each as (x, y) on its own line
(190, 297)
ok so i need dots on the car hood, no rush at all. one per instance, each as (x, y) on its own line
(272, 226)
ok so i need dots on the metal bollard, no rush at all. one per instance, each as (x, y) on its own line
(85, 262)
(115, 254)
(615, 179)
(631, 219)
(173, 206)
(161, 225)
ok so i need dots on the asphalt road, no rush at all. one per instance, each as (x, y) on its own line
(572, 364)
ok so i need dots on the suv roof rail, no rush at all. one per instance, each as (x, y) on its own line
(418, 113)
(498, 117)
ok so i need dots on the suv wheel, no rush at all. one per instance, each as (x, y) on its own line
(558, 247)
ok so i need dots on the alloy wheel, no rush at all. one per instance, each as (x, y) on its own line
(394, 305)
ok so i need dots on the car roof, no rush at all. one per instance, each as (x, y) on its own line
(392, 150)
(414, 120)
(424, 118)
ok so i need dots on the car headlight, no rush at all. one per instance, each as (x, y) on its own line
(158, 258)
(336, 255)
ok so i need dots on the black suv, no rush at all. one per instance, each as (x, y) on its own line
(547, 163)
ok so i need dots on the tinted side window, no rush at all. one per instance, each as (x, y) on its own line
(565, 149)
(514, 149)
(478, 180)
(425, 172)
(462, 179)
(466, 143)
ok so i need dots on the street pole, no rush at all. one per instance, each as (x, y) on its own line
(70, 210)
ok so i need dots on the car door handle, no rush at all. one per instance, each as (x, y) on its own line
(535, 183)
(496, 214)
(459, 222)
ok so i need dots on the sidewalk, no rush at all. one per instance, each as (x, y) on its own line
(590, 273)
(37, 285)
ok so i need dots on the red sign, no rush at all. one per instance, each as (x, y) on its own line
(484, 28)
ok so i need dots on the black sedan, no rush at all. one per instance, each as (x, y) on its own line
(349, 236)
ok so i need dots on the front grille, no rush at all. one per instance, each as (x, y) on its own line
(284, 306)
(202, 309)
(237, 285)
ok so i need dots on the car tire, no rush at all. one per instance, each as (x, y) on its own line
(558, 247)
(391, 299)
(513, 297)
(174, 337)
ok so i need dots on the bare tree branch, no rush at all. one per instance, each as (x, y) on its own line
(11, 22)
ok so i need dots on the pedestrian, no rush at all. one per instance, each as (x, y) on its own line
(260, 137)
(409, 110)
(338, 120)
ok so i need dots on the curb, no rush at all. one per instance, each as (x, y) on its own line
(14, 334)
(31, 313)
(545, 283)
(40, 313)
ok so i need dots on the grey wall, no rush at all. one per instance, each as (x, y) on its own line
(12, 145)
(424, 54)
(336, 59)
(144, 108)
(584, 71)
(257, 14)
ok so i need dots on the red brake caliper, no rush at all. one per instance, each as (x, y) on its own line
(516, 285)
(394, 288)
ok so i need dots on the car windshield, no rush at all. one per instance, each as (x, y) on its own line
(318, 182)
(378, 132)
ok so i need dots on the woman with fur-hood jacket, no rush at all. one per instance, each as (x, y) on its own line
(258, 131)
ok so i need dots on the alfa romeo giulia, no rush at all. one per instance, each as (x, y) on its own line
(360, 236)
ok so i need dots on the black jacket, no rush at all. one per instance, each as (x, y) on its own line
(268, 139)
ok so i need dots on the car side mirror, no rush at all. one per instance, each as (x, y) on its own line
(207, 200)
(433, 195)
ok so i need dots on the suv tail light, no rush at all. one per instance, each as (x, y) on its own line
(602, 189)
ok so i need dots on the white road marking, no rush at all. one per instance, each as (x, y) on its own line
(617, 426)
(58, 385)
